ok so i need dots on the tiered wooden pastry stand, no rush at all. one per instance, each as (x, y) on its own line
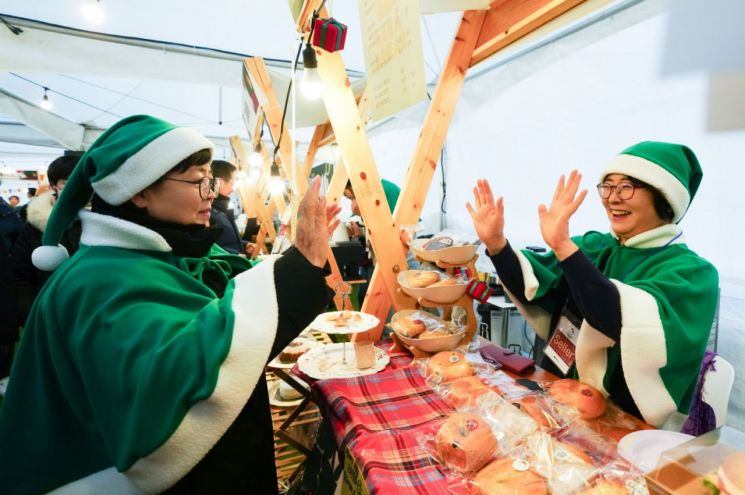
(465, 301)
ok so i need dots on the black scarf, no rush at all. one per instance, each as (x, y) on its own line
(192, 241)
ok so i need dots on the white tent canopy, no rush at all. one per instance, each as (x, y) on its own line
(524, 118)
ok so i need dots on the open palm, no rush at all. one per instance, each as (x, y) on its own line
(487, 216)
(554, 219)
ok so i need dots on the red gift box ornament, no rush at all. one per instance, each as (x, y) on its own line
(329, 34)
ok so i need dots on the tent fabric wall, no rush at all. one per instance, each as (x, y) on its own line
(556, 109)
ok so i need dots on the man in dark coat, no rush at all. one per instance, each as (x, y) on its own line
(222, 212)
(27, 278)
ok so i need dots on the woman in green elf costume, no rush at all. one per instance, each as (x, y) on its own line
(629, 311)
(141, 369)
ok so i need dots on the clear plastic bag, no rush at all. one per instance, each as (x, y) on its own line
(463, 444)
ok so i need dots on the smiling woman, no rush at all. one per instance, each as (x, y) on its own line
(144, 371)
(640, 302)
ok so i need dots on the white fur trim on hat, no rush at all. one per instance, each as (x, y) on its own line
(48, 258)
(655, 175)
(149, 164)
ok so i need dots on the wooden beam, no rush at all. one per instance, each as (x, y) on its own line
(510, 20)
(350, 135)
(273, 113)
(318, 134)
(428, 147)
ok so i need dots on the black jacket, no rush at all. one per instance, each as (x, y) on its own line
(221, 216)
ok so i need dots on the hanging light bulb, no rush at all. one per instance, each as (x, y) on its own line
(93, 12)
(275, 183)
(255, 158)
(45, 102)
(310, 85)
(253, 175)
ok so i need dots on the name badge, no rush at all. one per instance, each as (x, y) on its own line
(561, 348)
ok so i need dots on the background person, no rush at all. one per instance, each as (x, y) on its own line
(222, 214)
(641, 300)
(142, 363)
(27, 278)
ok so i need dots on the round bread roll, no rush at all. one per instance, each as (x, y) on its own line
(445, 282)
(566, 453)
(586, 399)
(448, 365)
(501, 478)
(429, 334)
(606, 487)
(409, 327)
(421, 279)
(465, 442)
(464, 391)
(731, 474)
(537, 409)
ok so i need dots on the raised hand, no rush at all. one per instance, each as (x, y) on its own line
(313, 224)
(554, 219)
(331, 221)
(488, 217)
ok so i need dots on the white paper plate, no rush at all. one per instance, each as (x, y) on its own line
(643, 448)
(327, 362)
(276, 400)
(276, 363)
(324, 322)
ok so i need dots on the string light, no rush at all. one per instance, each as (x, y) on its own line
(255, 158)
(275, 183)
(93, 12)
(45, 102)
(311, 84)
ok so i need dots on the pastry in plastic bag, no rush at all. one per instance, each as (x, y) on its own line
(508, 476)
(464, 391)
(587, 399)
(465, 442)
(448, 366)
(566, 467)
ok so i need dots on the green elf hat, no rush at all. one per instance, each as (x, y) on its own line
(124, 160)
(671, 168)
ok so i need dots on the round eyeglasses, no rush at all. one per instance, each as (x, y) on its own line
(624, 190)
(207, 185)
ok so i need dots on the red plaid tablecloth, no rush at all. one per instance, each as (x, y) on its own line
(380, 419)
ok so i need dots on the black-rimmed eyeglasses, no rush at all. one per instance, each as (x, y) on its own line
(207, 185)
(624, 190)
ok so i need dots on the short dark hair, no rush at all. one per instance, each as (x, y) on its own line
(222, 169)
(661, 204)
(201, 157)
(61, 168)
(14, 196)
(348, 187)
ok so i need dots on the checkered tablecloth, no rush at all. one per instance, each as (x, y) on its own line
(380, 419)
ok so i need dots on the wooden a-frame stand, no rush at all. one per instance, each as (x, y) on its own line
(479, 35)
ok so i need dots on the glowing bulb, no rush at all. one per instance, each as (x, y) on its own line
(93, 12)
(311, 85)
(276, 186)
(45, 102)
(255, 159)
(254, 174)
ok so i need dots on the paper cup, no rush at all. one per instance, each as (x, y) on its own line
(364, 353)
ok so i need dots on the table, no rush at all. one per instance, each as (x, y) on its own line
(377, 422)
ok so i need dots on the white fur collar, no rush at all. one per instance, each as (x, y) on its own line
(39, 209)
(657, 237)
(105, 230)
